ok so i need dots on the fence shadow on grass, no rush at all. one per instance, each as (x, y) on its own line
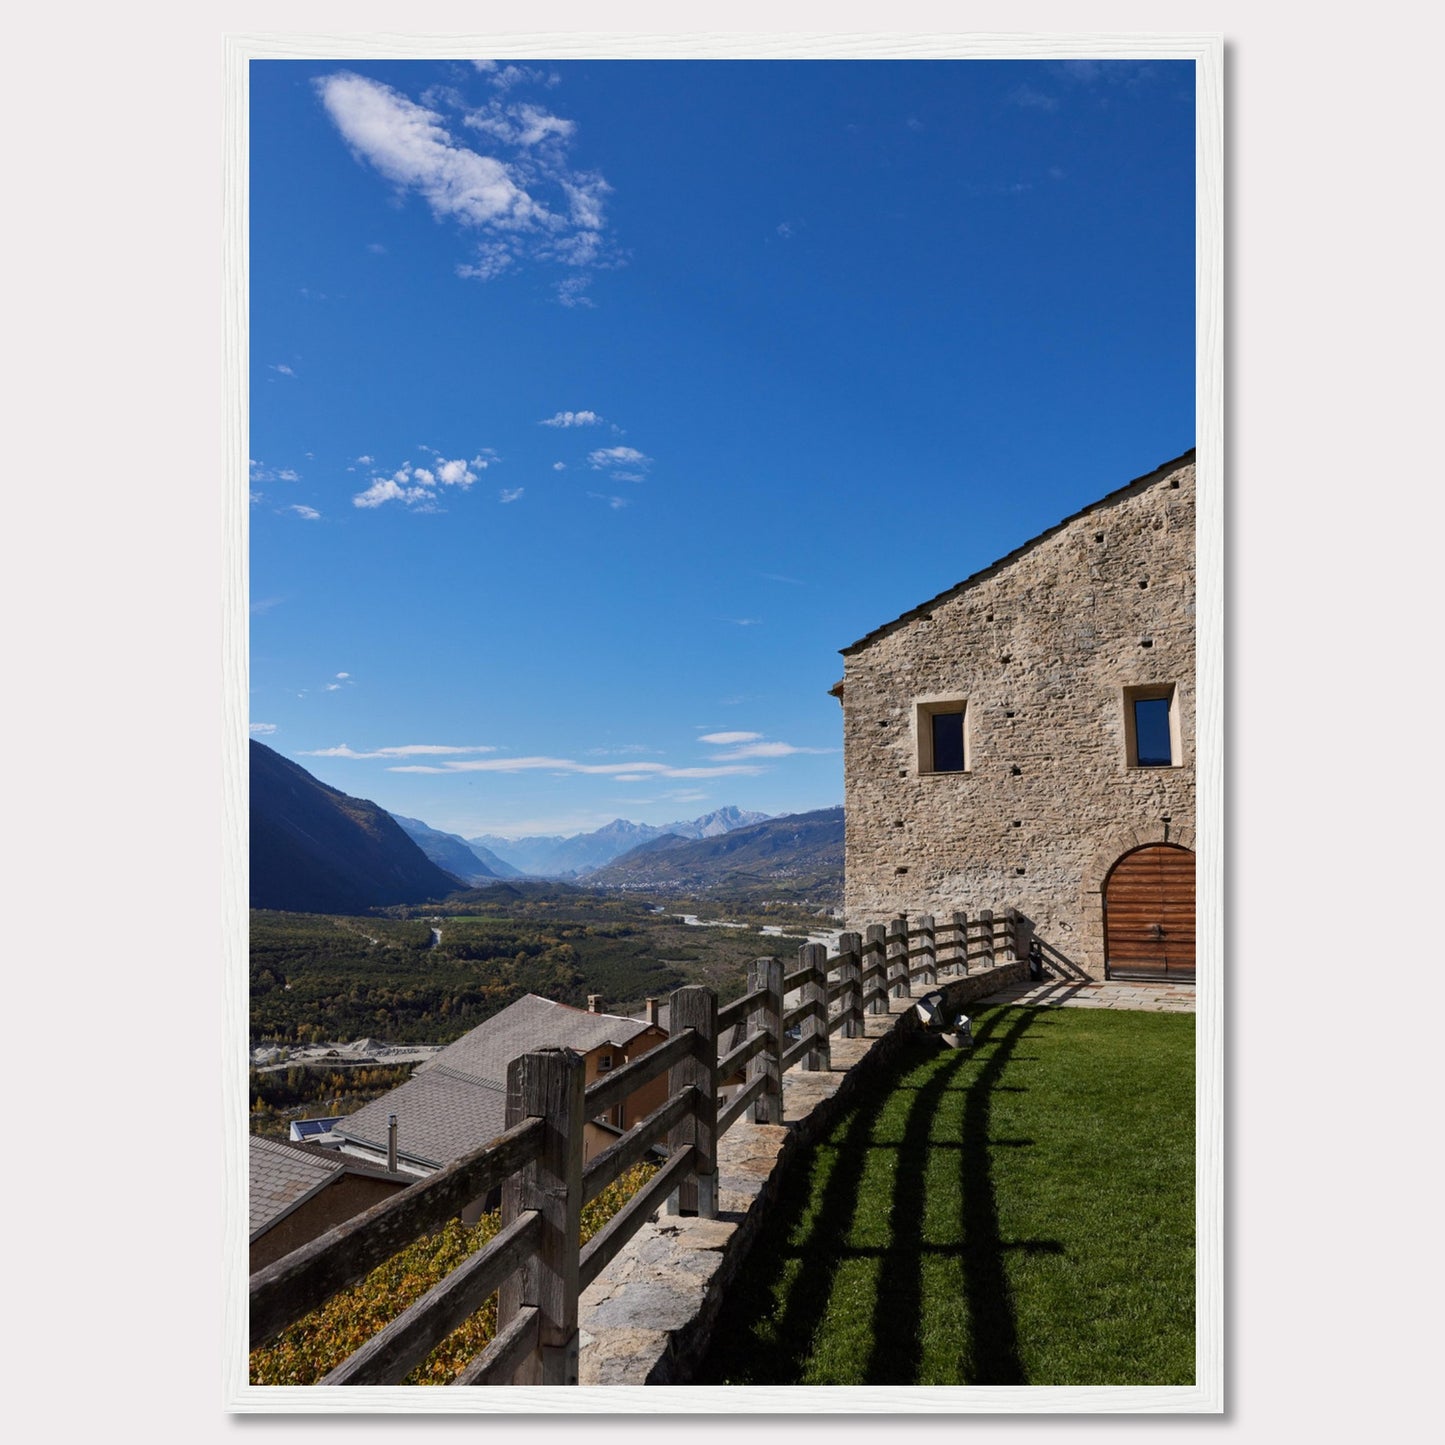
(761, 1339)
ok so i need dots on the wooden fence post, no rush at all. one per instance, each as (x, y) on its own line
(985, 918)
(767, 1014)
(850, 969)
(898, 984)
(1011, 935)
(927, 951)
(696, 1008)
(814, 957)
(548, 1085)
(875, 970)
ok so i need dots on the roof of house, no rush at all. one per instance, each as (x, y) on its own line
(284, 1176)
(458, 1102)
(1138, 484)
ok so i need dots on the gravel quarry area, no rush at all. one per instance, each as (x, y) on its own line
(354, 1054)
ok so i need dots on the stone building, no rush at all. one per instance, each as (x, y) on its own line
(1026, 739)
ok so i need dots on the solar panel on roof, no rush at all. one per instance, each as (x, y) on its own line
(310, 1128)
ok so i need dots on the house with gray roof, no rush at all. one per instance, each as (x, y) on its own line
(457, 1101)
(298, 1192)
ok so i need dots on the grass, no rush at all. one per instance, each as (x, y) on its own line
(1018, 1214)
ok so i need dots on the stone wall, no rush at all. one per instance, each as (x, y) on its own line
(1042, 646)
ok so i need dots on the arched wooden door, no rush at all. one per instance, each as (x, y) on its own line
(1149, 914)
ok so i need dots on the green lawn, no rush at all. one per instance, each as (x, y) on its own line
(1018, 1214)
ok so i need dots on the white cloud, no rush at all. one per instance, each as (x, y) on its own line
(605, 458)
(572, 418)
(308, 514)
(742, 621)
(768, 750)
(283, 369)
(510, 494)
(524, 124)
(407, 750)
(411, 147)
(333, 687)
(493, 258)
(559, 466)
(262, 473)
(417, 486)
(726, 739)
(616, 503)
(618, 772)
(365, 461)
(262, 729)
(343, 676)
(572, 291)
(519, 191)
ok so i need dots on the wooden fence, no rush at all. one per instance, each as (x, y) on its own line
(535, 1264)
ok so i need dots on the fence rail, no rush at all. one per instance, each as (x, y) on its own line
(535, 1264)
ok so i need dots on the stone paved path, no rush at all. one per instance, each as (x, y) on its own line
(1066, 993)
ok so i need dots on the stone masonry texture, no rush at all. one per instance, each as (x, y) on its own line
(1041, 647)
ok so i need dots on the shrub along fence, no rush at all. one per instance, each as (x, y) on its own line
(535, 1263)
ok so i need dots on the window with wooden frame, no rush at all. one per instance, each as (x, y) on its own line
(941, 728)
(1151, 726)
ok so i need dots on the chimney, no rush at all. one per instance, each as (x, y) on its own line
(594, 1003)
(652, 1010)
(391, 1142)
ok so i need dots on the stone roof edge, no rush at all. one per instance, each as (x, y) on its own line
(1106, 500)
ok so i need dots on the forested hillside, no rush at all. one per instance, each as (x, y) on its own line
(316, 849)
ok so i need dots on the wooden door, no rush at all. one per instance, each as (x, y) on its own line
(1149, 914)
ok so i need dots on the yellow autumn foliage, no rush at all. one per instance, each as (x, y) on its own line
(317, 1343)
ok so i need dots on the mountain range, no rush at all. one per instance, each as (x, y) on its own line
(315, 849)
(544, 856)
(469, 861)
(798, 858)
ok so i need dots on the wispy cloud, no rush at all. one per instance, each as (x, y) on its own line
(510, 494)
(559, 466)
(741, 746)
(618, 771)
(283, 369)
(1031, 98)
(262, 730)
(768, 750)
(616, 503)
(518, 195)
(625, 464)
(406, 750)
(572, 418)
(262, 473)
(307, 514)
(417, 486)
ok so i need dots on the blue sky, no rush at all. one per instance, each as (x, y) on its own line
(596, 404)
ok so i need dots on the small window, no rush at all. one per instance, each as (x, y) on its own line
(942, 729)
(1151, 726)
(604, 1063)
